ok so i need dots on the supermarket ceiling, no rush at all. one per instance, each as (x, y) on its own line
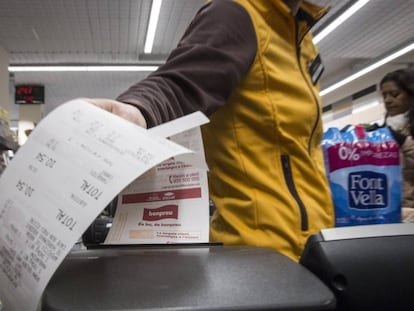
(113, 32)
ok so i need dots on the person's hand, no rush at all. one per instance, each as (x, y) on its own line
(125, 111)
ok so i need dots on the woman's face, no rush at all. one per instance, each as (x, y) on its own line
(396, 100)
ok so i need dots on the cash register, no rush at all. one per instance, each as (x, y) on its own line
(367, 267)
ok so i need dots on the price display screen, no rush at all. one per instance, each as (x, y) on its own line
(30, 94)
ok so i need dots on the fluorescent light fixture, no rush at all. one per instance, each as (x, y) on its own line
(80, 68)
(365, 107)
(368, 69)
(338, 21)
(152, 25)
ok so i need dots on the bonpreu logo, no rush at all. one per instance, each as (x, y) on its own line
(367, 190)
(162, 212)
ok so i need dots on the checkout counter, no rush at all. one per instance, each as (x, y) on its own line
(350, 268)
(184, 277)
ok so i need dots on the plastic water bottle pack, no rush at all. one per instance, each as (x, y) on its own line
(364, 175)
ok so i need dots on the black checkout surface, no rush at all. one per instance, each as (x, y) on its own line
(177, 277)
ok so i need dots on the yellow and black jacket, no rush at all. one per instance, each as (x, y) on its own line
(247, 65)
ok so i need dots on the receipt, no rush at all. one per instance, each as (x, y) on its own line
(74, 163)
(168, 204)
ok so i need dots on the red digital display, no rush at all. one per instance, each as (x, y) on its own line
(30, 94)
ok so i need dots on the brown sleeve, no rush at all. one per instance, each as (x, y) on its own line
(212, 57)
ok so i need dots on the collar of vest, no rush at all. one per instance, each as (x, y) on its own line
(309, 12)
(308, 15)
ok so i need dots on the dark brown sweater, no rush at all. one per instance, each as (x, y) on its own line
(210, 60)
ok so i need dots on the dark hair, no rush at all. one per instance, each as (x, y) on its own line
(404, 78)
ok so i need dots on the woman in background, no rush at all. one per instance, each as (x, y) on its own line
(397, 91)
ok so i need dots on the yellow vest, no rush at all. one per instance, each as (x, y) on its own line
(267, 176)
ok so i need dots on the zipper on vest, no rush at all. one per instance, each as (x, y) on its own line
(287, 173)
(298, 52)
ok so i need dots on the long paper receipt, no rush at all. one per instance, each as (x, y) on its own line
(73, 164)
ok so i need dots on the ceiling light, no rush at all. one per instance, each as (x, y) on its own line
(364, 107)
(152, 25)
(80, 68)
(368, 69)
(338, 21)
